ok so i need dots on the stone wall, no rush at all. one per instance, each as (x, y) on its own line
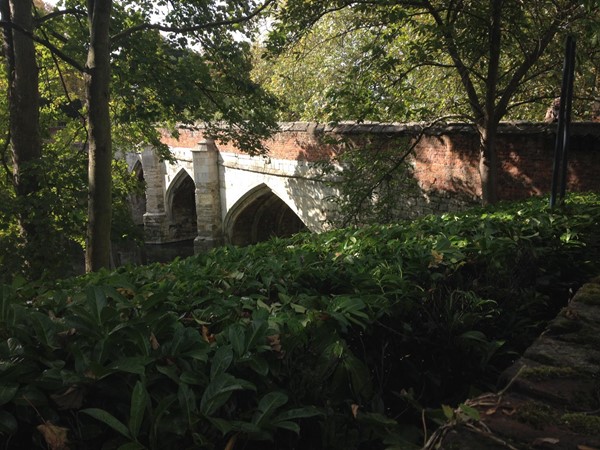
(444, 164)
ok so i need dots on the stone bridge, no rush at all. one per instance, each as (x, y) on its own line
(216, 194)
(213, 193)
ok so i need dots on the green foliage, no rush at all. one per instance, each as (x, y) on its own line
(372, 60)
(197, 74)
(335, 341)
(372, 178)
(61, 204)
(156, 79)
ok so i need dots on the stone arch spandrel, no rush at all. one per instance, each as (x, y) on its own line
(181, 207)
(259, 215)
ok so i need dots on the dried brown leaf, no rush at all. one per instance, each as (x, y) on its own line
(491, 411)
(126, 292)
(539, 442)
(154, 342)
(55, 436)
(275, 343)
(207, 335)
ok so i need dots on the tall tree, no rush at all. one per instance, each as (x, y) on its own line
(97, 81)
(229, 99)
(24, 122)
(495, 48)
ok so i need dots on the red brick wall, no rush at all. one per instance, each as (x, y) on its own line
(446, 158)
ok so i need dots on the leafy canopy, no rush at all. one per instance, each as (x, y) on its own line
(427, 59)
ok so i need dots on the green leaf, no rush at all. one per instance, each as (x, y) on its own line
(187, 401)
(96, 300)
(267, 406)
(221, 361)
(227, 426)
(170, 372)
(132, 446)
(473, 335)
(8, 423)
(237, 339)
(44, 329)
(193, 377)
(448, 412)
(259, 327)
(132, 364)
(161, 409)
(6, 301)
(259, 365)
(7, 392)
(298, 308)
(218, 392)
(108, 419)
(197, 352)
(292, 426)
(139, 401)
(471, 412)
(297, 413)
(377, 419)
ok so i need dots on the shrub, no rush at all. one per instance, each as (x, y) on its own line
(339, 340)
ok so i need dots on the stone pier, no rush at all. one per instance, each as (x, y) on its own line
(205, 158)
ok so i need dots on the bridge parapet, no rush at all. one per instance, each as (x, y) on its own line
(228, 187)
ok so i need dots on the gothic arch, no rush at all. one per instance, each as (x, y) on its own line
(137, 200)
(181, 207)
(259, 215)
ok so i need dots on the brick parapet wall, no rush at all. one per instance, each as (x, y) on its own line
(445, 160)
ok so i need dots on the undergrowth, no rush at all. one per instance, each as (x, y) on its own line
(342, 340)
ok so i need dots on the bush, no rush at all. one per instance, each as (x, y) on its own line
(339, 340)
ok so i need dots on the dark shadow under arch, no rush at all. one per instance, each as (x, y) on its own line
(259, 216)
(137, 199)
(181, 200)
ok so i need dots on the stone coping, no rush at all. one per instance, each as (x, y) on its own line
(552, 394)
(349, 127)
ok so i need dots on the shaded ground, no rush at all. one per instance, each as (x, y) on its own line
(552, 394)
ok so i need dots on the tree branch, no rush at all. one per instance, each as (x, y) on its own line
(55, 50)
(219, 23)
(358, 201)
(457, 60)
(59, 13)
(491, 80)
(3, 153)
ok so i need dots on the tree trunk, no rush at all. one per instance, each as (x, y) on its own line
(24, 119)
(488, 162)
(24, 101)
(488, 126)
(97, 80)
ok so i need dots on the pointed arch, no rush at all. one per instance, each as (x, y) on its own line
(138, 169)
(181, 207)
(137, 199)
(260, 215)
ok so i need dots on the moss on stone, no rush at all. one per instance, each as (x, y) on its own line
(582, 423)
(588, 294)
(587, 337)
(536, 414)
(562, 324)
(547, 372)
